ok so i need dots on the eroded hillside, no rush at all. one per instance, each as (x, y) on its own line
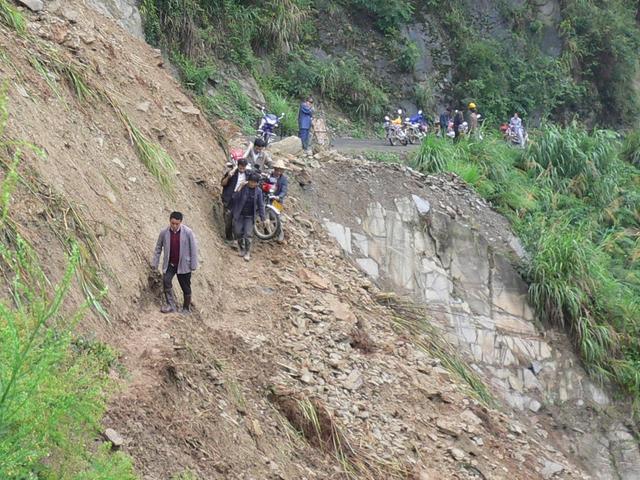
(294, 365)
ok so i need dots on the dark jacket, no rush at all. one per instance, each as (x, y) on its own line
(444, 120)
(227, 191)
(458, 118)
(304, 116)
(282, 187)
(240, 198)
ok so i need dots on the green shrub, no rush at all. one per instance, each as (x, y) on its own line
(389, 15)
(278, 104)
(631, 148)
(408, 56)
(151, 22)
(194, 76)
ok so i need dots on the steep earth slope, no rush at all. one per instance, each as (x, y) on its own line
(292, 366)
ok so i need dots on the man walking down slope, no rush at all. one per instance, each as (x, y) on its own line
(305, 114)
(180, 258)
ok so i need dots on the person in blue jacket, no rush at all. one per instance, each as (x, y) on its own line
(305, 114)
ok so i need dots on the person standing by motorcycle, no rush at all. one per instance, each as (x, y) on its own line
(444, 122)
(257, 156)
(305, 114)
(458, 119)
(180, 257)
(247, 202)
(473, 119)
(282, 188)
(230, 181)
(516, 126)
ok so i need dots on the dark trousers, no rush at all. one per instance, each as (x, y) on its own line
(228, 224)
(243, 228)
(304, 136)
(184, 279)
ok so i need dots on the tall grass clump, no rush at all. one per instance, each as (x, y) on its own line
(11, 17)
(631, 148)
(281, 24)
(575, 202)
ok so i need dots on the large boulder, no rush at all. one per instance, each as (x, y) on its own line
(125, 12)
(287, 146)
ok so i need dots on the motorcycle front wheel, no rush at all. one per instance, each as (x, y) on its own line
(269, 228)
(392, 140)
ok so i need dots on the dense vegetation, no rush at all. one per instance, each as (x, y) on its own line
(574, 199)
(275, 41)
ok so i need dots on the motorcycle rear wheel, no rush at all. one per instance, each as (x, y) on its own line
(269, 228)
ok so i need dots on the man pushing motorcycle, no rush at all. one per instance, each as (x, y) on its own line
(282, 187)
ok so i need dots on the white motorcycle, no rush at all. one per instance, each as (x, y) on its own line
(395, 133)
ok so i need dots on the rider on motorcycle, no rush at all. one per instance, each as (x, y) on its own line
(398, 120)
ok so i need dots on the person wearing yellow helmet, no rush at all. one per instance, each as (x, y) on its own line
(473, 119)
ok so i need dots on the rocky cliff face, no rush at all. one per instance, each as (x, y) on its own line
(124, 12)
(431, 238)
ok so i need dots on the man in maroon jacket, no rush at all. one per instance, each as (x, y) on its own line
(180, 257)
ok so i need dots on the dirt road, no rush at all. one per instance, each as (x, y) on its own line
(352, 145)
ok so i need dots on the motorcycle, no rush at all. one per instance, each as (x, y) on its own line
(394, 133)
(272, 207)
(416, 127)
(268, 124)
(511, 136)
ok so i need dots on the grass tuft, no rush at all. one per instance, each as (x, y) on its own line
(413, 319)
(11, 17)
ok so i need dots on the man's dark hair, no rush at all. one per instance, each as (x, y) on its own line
(242, 162)
(449, 109)
(258, 142)
(176, 215)
(253, 177)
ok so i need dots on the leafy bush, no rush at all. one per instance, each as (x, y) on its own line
(390, 15)
(194, 76)
(408, 56)
(278, 104)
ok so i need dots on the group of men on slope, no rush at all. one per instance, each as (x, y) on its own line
(242, 201)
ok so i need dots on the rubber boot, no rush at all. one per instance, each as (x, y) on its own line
(170, 307)
(241, 247)
(247, 252)
(186, 307)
